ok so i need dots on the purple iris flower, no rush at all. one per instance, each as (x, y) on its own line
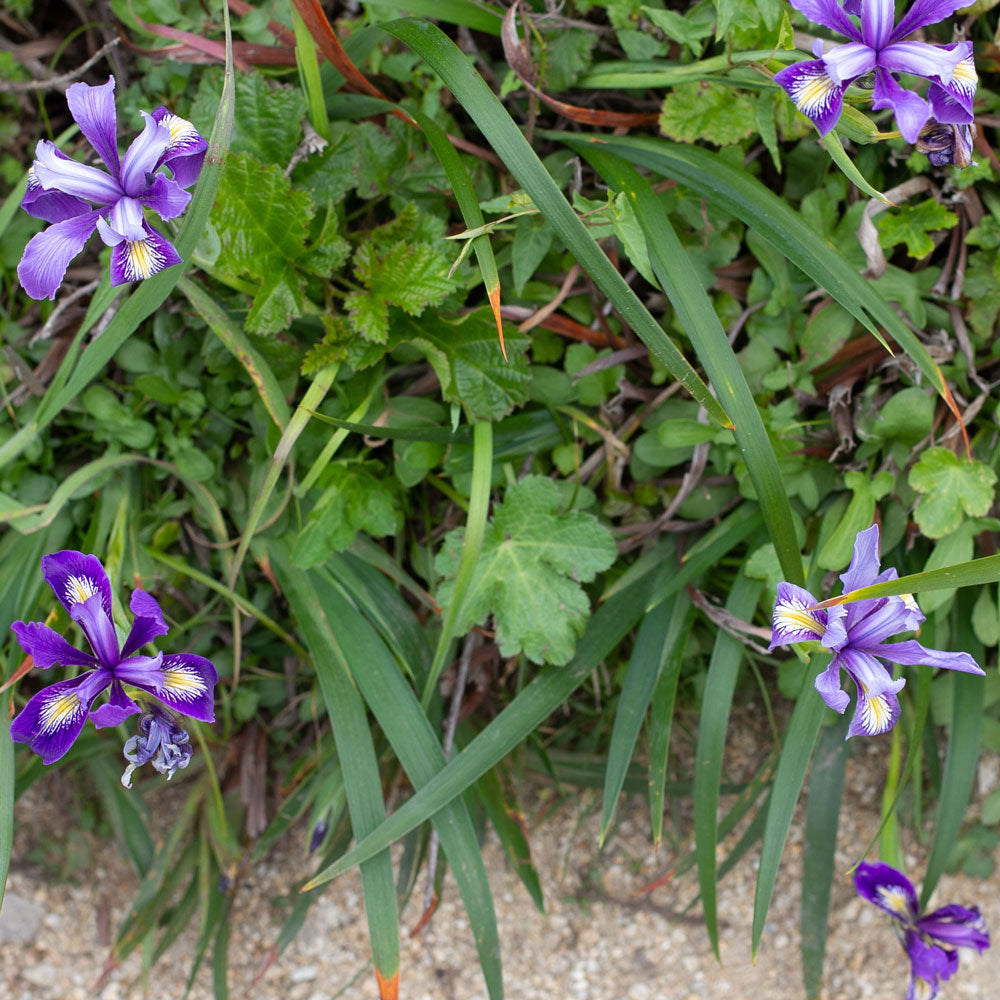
(54, 717)
(929, 939)
(817, 87)
(160, 740)
(77, 199)
(856, 633)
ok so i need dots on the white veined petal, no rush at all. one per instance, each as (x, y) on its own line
(181, 130)
(142, 260)
(78, 589)
(876, 715)
(59, 711)
(183, 681)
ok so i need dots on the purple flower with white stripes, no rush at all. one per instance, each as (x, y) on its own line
(54, 717)
(77, 199)
(817, 86)
(930, 938)
(856, 633)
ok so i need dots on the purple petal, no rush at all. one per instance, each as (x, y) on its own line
(864, 563)
(75, 576)
(911, 653)
(53, 718)
(184, 682)
(166, 197)
(50, 206)
(93, 109)
(884, 617)
(925, 12)
(138, 259)
(830, 14)
(116, 710)
(813, 92)
(928, 965)
(955, 925)
(143, 156)
(148, 623)
(877, 19)
(126, 220)
(790, 622)
(57, 172)
(878, 706)
(952, 101)
(48, 253)
(911, 110)
(852, 7)
(888, 889)
(186, 152)
(98, 628)
(921, 59)
(47, 648)
(827, 684)
(847, 62)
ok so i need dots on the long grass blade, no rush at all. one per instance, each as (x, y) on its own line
(738, 193)
(716, 703)
(356, 754)
(607, 627)
(418, 748)
(471, 91)
(968, 692)
(678, 278)
(826, 785)
(803, 728)
(661, 716)
(658, 634)
(6, 800)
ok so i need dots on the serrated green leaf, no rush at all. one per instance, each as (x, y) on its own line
(411, 276)
(467, 360)
(262, 225)
(567, 55)
(911, 224)
(532, 562)
(707, 112)
(949, 485)
(269, 124)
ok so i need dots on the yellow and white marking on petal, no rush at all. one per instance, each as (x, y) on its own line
(877, 715)
(78, 588)
(58, 711)
(142, 260)
(184, 681)
(894, 898)
(812, 93)
(796, 619)
(181, 130)
(922, 990)
(910, 603)
(965, 76)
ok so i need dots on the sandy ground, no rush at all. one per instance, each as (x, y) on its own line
(599, 939)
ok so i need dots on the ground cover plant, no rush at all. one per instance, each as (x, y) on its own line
(510, 386)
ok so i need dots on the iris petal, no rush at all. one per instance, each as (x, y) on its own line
(53, 718)
(133, 260)
(60, 173)
(48, 253)
(93, 109)
(142, 157)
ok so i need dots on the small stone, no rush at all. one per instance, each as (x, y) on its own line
(19, 919)
(42, 974)
(306, 974)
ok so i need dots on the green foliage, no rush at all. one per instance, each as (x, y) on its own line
(535, 556)
(263, 226)
(707, 112)
(913, 224)
(948, 486)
